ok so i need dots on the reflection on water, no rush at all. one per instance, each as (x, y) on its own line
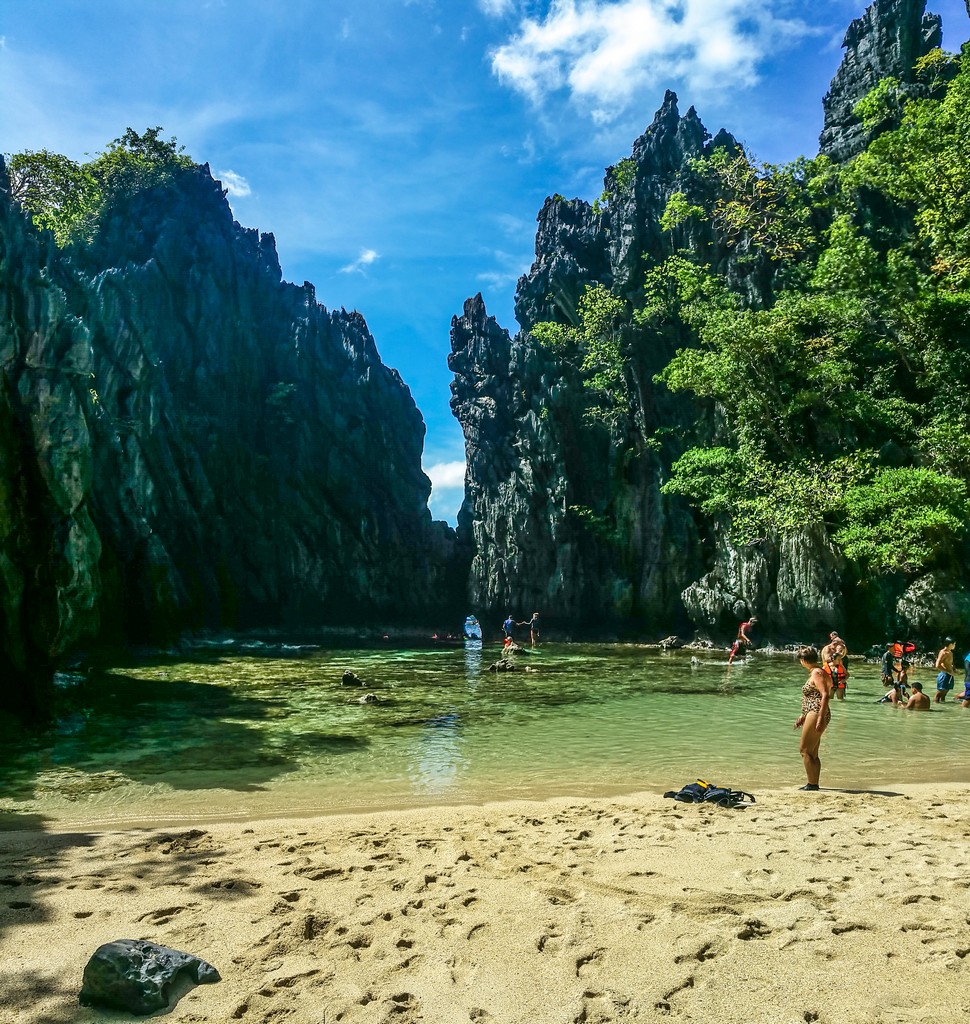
(261, 728)
(473, 661)
(438, 754)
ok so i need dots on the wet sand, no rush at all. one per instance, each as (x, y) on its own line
(836, 907)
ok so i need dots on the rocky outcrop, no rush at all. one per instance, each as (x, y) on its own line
(567, 516)
(563, 514)
(795, 582)
(934, 605)
(186, 441)
(886, 41)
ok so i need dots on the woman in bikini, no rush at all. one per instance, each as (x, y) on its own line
(815, 714)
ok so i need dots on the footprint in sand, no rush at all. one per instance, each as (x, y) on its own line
(586, 962)
(708, 951)
(754, 929)
(550, 941)
(164, 914)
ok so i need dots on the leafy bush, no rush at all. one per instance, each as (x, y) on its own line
(72, 199)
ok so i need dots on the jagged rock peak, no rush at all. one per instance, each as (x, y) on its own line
(672, 139)
(887, 40)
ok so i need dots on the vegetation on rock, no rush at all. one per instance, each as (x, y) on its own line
(840, 396)
(71, 199)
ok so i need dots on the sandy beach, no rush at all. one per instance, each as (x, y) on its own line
(833, 907)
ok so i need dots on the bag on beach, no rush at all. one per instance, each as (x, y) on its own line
(703, 792)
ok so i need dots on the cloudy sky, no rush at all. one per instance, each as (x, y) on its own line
(399, 150)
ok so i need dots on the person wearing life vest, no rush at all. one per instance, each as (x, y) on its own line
(902, 678)
(744, 638)
(833, 658)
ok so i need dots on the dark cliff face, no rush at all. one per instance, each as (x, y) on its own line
(185, 440)
(566, 515)
(886, 41)
(550, 529)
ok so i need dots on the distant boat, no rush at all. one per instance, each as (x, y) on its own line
(473, 628)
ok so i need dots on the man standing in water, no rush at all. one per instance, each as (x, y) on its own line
(889, 667)
(944, 665)
(744, 638)
(507, 626)
(833, 654)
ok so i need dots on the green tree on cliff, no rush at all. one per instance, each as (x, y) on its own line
(70, 199)
(845, 401)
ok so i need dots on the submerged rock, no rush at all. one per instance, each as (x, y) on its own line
(504, 665)
(138, 976)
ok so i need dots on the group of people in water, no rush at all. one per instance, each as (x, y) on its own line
(827, 680)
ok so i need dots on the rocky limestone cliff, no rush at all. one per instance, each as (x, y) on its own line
(886, 41)
(187, 441)
(560, 515)
(566, 516)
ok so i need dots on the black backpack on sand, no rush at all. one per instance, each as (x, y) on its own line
(703, 792)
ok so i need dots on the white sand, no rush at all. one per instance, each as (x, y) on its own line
(833, 907)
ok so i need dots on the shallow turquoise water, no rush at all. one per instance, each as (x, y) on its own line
(260, 729)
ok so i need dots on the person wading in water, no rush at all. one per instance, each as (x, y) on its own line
(833, 655)
(744, 639)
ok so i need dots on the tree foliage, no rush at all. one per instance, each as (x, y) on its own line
(71, 199)
(839, 398)
(595, 345)
(846, 401)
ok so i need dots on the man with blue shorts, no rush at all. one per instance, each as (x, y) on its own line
(944, 665)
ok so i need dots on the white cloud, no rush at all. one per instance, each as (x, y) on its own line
(235, 184)
(496, 8)
(364, 260)
(446, 475)
(507, 270)
(604, 52)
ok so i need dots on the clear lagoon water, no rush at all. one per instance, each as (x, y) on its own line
(240, 729)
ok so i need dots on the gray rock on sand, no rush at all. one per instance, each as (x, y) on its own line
(138, 976)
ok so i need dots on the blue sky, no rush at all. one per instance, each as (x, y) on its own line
(399, 150)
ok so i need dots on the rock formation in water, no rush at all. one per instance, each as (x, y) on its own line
(188, 441)
(566, 516)
(886, 41)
